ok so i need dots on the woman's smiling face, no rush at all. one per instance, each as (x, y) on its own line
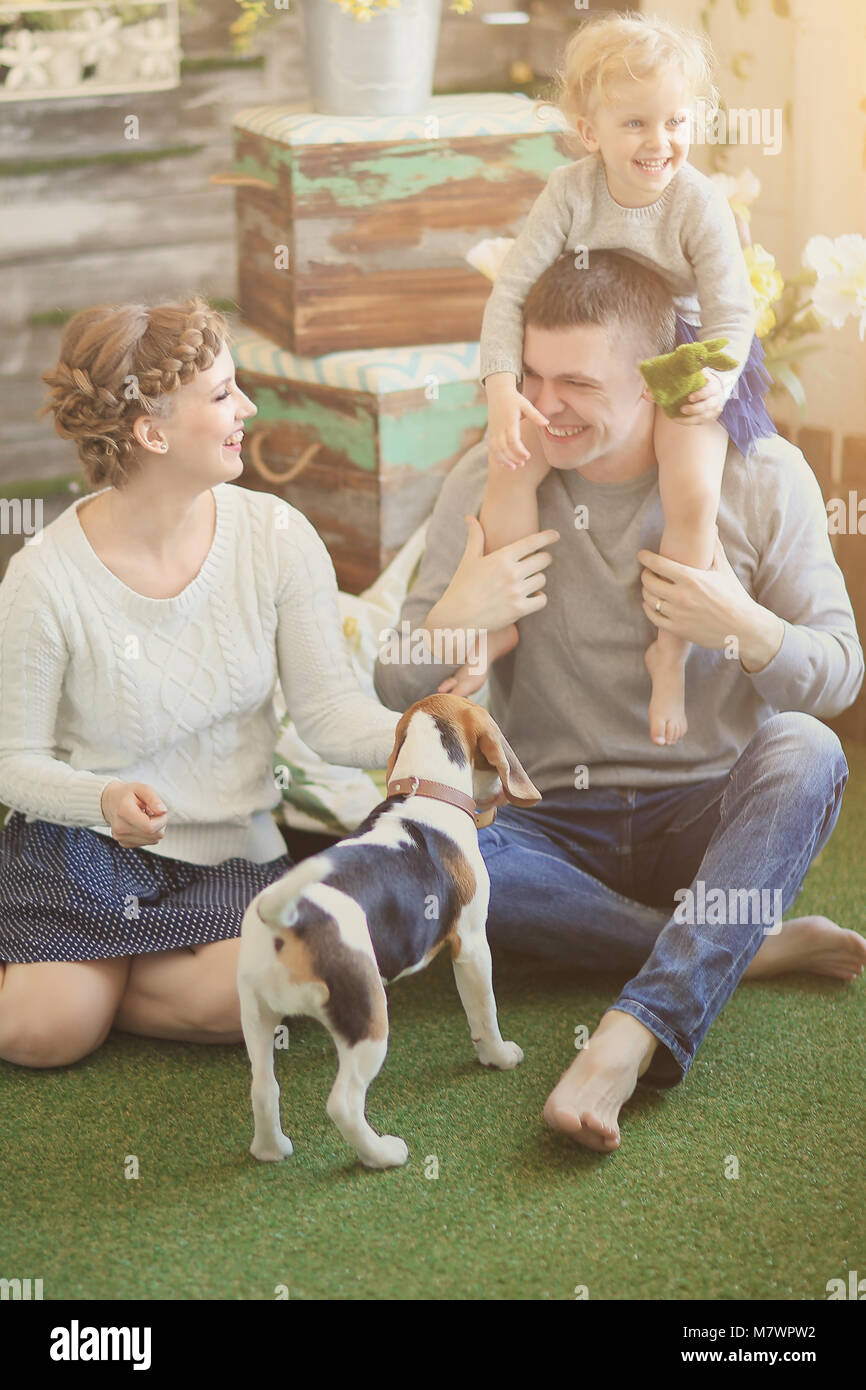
(204, 429)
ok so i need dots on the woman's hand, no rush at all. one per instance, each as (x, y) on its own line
(491, 591)
(135, 813)
(710, 608)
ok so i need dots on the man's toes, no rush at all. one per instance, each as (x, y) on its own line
(560, 1117)
(584, 1128)
(598, 1135)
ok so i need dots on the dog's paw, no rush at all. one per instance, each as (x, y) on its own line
(503, 1057)
(272, 1150)
(389, 1152)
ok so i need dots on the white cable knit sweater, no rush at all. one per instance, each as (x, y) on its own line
(98, 682)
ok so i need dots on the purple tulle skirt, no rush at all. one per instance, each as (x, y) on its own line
(745, 416)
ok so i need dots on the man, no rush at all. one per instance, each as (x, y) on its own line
(675, 863)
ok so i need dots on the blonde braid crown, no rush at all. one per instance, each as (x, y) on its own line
(121, 361)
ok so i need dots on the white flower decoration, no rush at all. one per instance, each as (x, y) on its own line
(158, 45)
(24, 57)
(840, 265)
(487, 256)
(96, 36)
(743, 189)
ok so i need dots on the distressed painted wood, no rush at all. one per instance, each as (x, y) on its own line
(376, 234)
(150, 273)
(168, 202)
(374, 464)
(197, 112)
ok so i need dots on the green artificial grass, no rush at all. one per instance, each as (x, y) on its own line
(516, 1211)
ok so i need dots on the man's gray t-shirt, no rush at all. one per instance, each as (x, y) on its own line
(574, 692)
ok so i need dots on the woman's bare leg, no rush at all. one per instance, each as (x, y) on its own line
(53, 1013)
(187, 995)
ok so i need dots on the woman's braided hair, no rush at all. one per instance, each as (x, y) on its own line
(121, 361)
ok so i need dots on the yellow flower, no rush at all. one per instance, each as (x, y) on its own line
(767, 286)
(365, 9)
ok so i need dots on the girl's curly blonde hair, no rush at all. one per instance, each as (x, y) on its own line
(610, 47)
(121, 361)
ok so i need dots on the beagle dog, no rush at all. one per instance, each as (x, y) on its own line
(324, 939)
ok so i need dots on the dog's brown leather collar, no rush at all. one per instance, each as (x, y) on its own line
(438, 791)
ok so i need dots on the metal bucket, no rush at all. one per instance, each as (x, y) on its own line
(379, 67)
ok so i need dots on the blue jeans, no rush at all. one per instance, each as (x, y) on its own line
(624, 879)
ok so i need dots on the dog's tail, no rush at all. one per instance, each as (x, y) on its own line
(277, 904)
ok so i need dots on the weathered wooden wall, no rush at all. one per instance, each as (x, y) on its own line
(90, 216)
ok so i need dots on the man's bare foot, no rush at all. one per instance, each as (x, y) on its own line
(812, 944)
(586, 1101)
(667, 707)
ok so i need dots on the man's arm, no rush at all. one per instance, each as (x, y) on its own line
(818, 666)
(796, 635)
(398, 682)
(459, 591)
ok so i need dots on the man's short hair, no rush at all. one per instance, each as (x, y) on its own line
(612, 290)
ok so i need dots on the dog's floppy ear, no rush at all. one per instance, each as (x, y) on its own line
(494, 746)
(399, 739)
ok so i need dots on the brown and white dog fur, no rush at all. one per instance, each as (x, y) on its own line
(323, 939)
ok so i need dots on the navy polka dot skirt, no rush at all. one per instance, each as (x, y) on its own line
(68, 893)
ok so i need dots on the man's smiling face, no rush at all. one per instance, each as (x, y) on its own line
(586, 381)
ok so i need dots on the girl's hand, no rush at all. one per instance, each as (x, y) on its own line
(706, 404)
(507, 407)
(135, 813)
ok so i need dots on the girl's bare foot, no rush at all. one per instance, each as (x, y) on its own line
(667, 707)
(586, 1101)
(812, 944)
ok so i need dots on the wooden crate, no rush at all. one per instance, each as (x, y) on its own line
(376, 214)
(359, 442)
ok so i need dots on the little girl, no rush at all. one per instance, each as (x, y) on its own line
(630, 86)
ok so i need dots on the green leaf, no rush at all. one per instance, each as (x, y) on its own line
(789, 354)
(784, 376)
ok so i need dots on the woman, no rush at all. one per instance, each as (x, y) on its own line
(141, 641)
